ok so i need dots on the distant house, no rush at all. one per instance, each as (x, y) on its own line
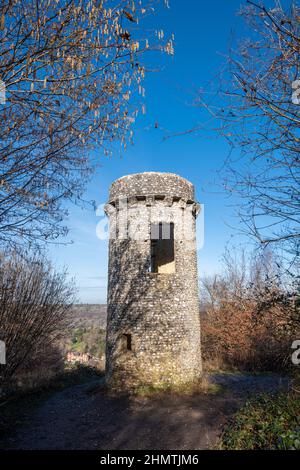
(83, 358)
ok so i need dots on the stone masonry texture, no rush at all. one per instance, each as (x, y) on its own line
(153, 323)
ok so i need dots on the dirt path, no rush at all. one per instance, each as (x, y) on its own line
(84, 417)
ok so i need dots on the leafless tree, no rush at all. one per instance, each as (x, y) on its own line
(35, 302)
(70, 70)
(257, 109)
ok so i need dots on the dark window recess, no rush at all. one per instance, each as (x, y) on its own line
(162, 248)
(126, 344)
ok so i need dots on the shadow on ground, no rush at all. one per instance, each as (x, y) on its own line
(87, 417)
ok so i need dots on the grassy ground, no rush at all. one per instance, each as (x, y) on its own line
(266, 422)
(203, 386)
(190, 416)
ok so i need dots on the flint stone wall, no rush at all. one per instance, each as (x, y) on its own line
(160, 312)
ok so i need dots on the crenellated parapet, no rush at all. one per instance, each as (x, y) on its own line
(152, 200)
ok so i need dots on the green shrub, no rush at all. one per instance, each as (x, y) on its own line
(266, 422)
(89, 340)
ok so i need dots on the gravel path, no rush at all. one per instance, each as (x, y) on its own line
(87, 417)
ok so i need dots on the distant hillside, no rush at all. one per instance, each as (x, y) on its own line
(89, 315)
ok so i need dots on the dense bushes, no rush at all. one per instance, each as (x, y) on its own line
(266, 422)
(90, 340)
(250, 315)
(34, 308)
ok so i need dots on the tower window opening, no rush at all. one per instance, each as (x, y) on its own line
(126, 342)
(162, 248)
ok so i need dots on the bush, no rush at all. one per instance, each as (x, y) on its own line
(267, 422)
(34, 309)
(90, 340)
(250, 315)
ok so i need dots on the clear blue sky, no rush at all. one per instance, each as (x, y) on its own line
(202, 32)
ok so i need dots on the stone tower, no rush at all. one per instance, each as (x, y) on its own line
(153, 325)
